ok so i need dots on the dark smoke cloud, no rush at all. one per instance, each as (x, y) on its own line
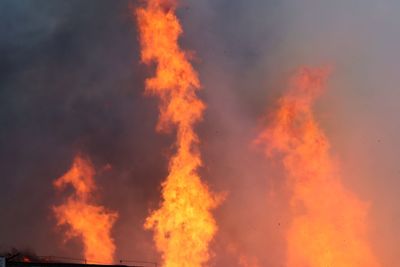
(71, 80)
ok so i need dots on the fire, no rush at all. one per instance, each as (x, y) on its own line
(184, 225)
(329, 227)
(86, 220)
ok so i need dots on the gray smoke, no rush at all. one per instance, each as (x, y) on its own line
(71, 80)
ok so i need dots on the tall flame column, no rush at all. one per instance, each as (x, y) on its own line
(329, 227)
(184, 225)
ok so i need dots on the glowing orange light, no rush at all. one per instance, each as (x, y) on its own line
(329, 227)
(86, 220)
(183, 226)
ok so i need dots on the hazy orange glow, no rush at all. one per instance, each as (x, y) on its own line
(183, 226)
(329, 225)
(86, 220)
(243, 259)
(247, 262)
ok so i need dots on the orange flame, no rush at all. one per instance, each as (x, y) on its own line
(329, 227)
(183, 226)
(86, 220)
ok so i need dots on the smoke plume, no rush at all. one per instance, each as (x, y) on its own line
(71, 80)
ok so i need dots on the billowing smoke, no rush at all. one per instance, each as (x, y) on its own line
(71, 81)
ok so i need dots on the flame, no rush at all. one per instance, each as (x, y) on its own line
(329, 227)
(183, 226)
(91, 222)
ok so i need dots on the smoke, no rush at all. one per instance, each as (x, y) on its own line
(20, 255)
(248, 50)
(68, 85)
(71, 80)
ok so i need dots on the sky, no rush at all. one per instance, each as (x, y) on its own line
(71, 81)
